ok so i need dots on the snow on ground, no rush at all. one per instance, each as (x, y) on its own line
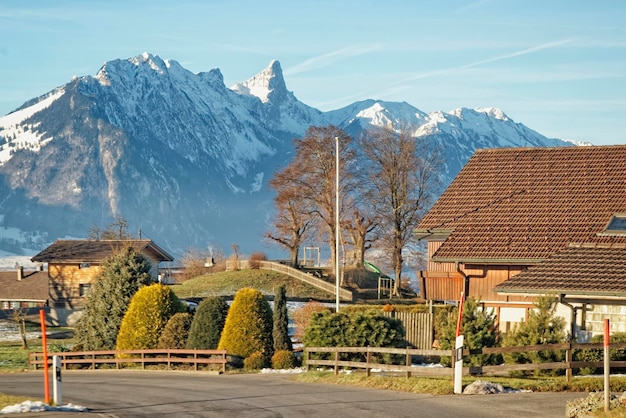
(38, 406)
(9, 332)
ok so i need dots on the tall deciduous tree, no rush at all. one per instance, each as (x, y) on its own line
(293, 218)
(122, 275)
(402, 172)
(313, 176)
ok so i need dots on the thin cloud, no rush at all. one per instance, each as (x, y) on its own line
(494, 59)
(325, 60)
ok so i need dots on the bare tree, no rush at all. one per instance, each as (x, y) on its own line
(17, 316)
(313, 176)
(293, 218)
(118, 229)
(403, 177)
(360, 228)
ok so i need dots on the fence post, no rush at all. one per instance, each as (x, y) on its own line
(407, 361)
(368, 357)
(336, 363)
(308, 358)
(568, 360)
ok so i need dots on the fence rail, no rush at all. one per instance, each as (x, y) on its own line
(95, 359)
(368, 364)
(344, 294)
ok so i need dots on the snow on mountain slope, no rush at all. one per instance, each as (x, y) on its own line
(185, 158)
(15, 135)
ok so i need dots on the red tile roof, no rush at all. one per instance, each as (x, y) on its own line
(78, 251)
(32, 287)
(524, 204)
(579, 269)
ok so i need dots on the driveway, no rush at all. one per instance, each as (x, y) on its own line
(196, 394)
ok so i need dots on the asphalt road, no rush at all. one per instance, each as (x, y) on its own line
(196, 394)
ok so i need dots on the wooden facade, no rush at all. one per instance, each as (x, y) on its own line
(73, 265)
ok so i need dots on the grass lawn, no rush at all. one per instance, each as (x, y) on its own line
(228, 282)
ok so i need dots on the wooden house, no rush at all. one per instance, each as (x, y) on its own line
(73, 265)
(511, 209)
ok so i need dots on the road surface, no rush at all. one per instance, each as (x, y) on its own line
(197, 394)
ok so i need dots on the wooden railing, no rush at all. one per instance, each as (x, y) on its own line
(344, 294)
(95, 359)
(567, 364)
(368, 364)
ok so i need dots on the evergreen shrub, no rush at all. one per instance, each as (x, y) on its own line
(208, 323)
(478, 327)
(542, 327)
(255, 361)
(283, 359)
(148, 313)
(176, 331)
(122, 274)
(248, 326)
(280, 333)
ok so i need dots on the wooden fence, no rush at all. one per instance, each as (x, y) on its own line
(344, 294)
(418, 328)
(96, 359)
(503, 369)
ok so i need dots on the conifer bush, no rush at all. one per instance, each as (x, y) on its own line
(478, 327)
(122, 275)
(354, 329)
(148, 313)
(176, 331)
(283, 359)
(255, 361)
(248, 326)
(597, 354)
(282, 340)
(208, 323)
(542, 327)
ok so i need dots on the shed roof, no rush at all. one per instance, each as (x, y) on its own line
(92, 251)
(580, 269)
(524, 204)
(32, 287)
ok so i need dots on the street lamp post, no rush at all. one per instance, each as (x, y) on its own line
(337, 224)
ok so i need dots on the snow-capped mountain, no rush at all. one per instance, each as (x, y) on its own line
(182, 156)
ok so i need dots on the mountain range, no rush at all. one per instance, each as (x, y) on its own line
(183, 157)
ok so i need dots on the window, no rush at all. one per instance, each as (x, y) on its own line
(15, 305)
(616, 225)
(84, 289)
(84, 265)
(5, 304)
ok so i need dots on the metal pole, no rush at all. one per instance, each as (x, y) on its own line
(337, 224)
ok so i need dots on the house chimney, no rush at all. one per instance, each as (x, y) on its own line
(20, 273)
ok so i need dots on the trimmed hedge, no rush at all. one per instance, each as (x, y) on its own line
(208, 324)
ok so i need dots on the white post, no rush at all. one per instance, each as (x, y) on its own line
(56, 380)
(337, 224)
(607, 366)
(458, 365)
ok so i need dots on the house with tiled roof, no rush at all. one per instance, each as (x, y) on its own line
(21, 290)
(509, 210)
(74, 264)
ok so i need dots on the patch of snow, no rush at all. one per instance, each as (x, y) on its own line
(296, 370)
(38, 406)
(17, 137)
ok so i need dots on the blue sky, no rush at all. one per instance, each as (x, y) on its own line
(557, 66)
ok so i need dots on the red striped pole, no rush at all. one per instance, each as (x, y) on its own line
(46, 383)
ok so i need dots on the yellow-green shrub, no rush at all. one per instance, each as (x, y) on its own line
(149, 310)
(283, 359)
(248, 326)
(176, 331)
(255, 361)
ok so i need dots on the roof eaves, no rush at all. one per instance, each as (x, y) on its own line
(494, 261)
